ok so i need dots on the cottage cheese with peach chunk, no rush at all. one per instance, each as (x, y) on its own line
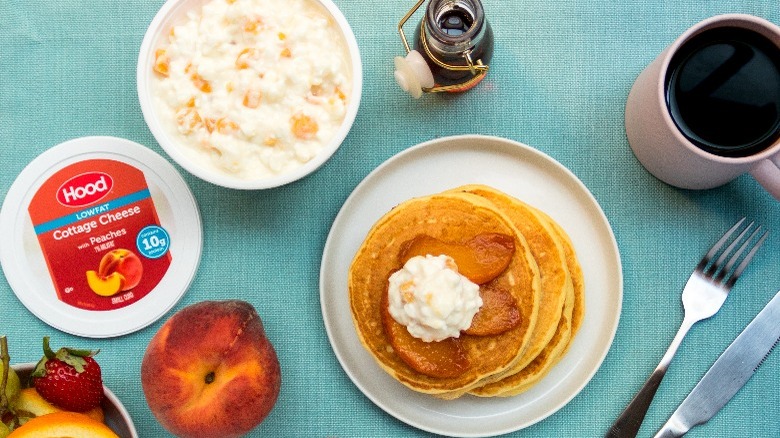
(254, 88)
(432, 299)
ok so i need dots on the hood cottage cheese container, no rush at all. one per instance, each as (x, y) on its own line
(102, 236)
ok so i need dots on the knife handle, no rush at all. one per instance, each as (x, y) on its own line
(630, 420)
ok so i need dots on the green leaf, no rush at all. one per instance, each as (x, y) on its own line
(76, 362)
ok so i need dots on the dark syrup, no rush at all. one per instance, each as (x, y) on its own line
(723, 91)
(456, 26)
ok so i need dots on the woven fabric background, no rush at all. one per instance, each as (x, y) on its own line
(558, 82)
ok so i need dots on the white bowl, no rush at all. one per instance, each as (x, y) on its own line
(116, 416)
(174, 12)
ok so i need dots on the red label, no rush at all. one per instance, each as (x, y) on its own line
(101, 237)
(84, 189)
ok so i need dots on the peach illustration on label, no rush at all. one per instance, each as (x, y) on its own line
(120, 270)
(105, 286)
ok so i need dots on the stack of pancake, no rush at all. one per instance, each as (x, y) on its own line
(542, 284)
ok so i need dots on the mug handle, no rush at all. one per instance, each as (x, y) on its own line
(767, 173)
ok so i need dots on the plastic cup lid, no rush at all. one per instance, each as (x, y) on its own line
(178, 237)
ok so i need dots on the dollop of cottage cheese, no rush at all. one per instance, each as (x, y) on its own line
(432, 299)
(254, 88)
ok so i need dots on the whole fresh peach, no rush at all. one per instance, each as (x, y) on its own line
(124, 262)
(210, 371)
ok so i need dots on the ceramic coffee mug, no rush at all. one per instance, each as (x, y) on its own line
(670, 151)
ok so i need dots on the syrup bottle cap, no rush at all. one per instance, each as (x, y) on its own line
(413, 74)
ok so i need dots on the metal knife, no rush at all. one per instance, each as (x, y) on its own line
(729, 373)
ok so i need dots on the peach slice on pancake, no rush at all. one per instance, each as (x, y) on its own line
(441, 359)
(498, 313)
(480, 259)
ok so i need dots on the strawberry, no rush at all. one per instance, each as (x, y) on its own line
(69, 378)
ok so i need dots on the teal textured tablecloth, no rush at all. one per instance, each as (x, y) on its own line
(558, 82)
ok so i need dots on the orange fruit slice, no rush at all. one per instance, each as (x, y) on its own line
(63, 424)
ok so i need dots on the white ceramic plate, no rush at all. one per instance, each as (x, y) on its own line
(527, 174)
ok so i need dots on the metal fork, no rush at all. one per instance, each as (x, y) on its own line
(702, 297)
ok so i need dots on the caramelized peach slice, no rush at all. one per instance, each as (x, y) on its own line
(303, 126)
(443, 359)
(480, 259)
(498, 313)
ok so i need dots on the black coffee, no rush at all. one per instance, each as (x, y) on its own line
(723, 91)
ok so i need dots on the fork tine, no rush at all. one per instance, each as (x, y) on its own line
(747, 259)
(718, 265)
(735, 257)
(718, 245)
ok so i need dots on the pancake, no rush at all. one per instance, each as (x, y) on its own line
(577, 277)
(556, 285)
(571, 320)
(455, 218)
(543, 363)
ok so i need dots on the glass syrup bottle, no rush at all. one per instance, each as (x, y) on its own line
(453, 44)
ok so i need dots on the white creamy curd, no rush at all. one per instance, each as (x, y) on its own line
(432, 299)
(253, 88)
